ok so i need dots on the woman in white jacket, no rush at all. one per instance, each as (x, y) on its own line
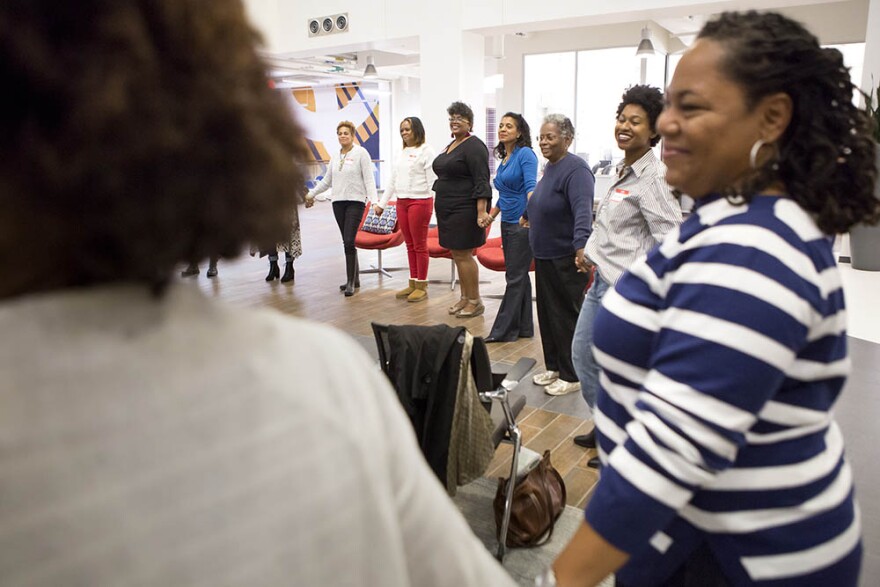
(350, 174)
(411, 181)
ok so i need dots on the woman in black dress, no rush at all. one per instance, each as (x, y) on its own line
(461, 202)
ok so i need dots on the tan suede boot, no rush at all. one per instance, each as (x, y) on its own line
(407, 290)
(419, 293)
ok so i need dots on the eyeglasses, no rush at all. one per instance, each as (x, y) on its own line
(458, 119)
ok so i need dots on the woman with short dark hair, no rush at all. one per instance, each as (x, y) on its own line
(462, 196)
(724, 352)
(350, 174)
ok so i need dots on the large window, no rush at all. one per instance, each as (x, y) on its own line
(603, 76)
(549, 88)
(585, 86)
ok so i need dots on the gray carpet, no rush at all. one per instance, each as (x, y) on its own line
(475, 502)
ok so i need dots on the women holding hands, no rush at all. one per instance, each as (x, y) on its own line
(350, 174)
(515, 180)
(632, 218)
(462, 202)
(560, 213)
(723, 353)
(412, 182)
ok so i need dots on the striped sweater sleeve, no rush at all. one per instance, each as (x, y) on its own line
(724, 314)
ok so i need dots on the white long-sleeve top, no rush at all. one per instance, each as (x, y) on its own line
(351, 177)
(412, 175)
(151, 442)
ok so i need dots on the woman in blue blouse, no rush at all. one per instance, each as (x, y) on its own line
(515, 180)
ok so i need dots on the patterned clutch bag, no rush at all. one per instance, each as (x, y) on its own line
(383, 224)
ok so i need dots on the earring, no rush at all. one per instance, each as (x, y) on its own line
(753, 154)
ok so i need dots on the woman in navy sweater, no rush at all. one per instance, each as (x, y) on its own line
(515, 180)
(560, 213)
(724, 352)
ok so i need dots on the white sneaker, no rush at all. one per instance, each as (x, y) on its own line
(546, 378)
(560, 387)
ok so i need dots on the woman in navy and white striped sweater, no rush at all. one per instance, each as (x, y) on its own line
(723, 353)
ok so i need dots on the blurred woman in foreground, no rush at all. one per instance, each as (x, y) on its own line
(146, 438)
(724, 352)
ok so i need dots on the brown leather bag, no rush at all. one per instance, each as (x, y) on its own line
(538, 500)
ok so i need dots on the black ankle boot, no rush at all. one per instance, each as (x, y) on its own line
(351, 273)
(191, 269)
(274, 272)
(288, 272)
(357, 274)
(212, 268)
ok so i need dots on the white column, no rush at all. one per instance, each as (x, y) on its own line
(872, 49)
(452, 68)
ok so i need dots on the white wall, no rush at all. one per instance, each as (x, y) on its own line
(871, 65)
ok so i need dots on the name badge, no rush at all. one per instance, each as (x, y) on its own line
(618, 195)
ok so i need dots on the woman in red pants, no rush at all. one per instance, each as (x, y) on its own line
(411, 182)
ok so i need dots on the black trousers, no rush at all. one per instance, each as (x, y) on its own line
(348, 215)
(560, 295)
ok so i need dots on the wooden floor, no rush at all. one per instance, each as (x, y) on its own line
(547, 422)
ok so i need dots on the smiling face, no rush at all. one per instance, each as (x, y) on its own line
(553, 145)
(706, 127)
(459, 126)
(406, 133)
(633, 132)
(345, 138)
(508, 132)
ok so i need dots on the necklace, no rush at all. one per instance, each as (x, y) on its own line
(343, 155)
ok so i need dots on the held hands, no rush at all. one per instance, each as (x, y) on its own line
(378, 210)
(484, 219)
(524, 222)
(310, 201)
(582, 262)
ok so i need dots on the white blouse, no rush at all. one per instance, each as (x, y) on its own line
(412, 175)
(351, 177)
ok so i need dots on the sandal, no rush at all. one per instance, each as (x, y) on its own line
(477, 308)
(458, 306)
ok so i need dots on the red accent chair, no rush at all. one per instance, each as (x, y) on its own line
(491, 256)
(435, 251)
(379, 242)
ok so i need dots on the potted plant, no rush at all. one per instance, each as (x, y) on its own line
(864, 239)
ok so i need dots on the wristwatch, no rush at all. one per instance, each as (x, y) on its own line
(546, 579)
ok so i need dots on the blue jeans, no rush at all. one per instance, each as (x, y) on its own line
(514, 318)
(582, 344)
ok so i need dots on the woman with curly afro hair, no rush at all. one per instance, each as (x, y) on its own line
(633, 216)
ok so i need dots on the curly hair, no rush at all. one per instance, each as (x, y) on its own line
(826, 155)
(463, 110)
(651, 101)
(525, 135)
(418, 130)
(563, 123)
(349, 125)
(134, 136)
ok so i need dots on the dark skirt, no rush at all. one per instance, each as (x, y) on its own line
(457, 222)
